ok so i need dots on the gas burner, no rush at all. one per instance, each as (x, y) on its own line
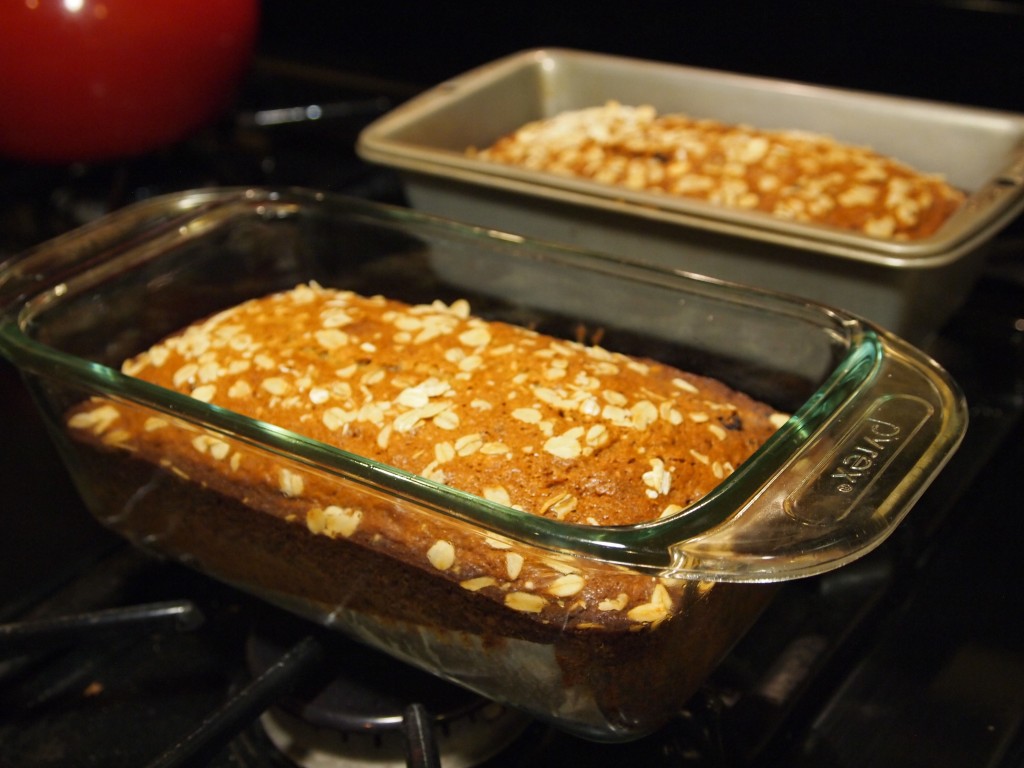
(367, 709)
(465, 742)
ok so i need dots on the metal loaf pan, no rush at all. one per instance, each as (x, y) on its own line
(909, 287)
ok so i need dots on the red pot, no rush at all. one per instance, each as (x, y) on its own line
(88, 80)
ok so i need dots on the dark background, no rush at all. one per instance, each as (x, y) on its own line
(963, 51)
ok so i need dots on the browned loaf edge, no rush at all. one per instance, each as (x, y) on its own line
(793, 175)
(549, 426)
(635, 674)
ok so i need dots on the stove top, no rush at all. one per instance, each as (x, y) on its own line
(110, 657)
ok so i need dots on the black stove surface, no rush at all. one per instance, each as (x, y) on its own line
(109, 657)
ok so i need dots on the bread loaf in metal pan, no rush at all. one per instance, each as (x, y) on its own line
(793, 175)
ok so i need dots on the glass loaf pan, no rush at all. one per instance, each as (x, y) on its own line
(873, 421)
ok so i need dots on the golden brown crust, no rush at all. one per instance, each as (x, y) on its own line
(792, 175)
(547, 426)
(544, 425)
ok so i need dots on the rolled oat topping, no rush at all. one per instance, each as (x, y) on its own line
(789, 174)
(335, 373)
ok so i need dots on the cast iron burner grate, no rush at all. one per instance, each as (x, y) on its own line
(59, 666)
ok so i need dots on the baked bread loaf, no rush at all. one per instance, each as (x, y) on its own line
(548, 426)
(793, 175)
